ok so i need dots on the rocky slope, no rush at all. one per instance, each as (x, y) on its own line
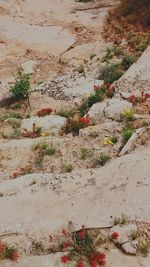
(52, 178)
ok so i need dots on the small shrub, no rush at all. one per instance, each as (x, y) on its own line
(103, 159)
(74, 124)
(127, 135)
(43, 112)
(9, 115)
(37, 246)
(63, 112)
(144, 249)
(68, 168)
(21, 88)
(123, 220)
(15, 123)
(81, 248)
(9, 253)
(128, 60)
(85, 153)
(50, 151)
(127, 115)
(110, 73)
(134, 235)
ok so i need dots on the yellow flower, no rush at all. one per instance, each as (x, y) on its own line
(108, 141)
(43, 134)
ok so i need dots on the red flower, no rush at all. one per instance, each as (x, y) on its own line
(93, 264)
(80, 264)
(102, 256)
(64, 232)
(44, 111)
(96, 87)
(82, 234)
(66, 244)
(15, 174)
(2, 247)
(115, 235)
(85, 120)
(15, 256)
(108, 84)
(64, 259)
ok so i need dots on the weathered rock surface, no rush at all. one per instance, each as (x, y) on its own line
(137, 76)
(49, 207)
(136, 135)
(130, 247)
(53, 123)
(124, 232)
(115, 107)
(105, 128)
(96, 112)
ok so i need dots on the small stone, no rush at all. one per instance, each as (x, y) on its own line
(124, 232)
(115, 107)
(28, 66)
(130, 247)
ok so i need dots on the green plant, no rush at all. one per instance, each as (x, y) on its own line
(21, 88)
(114, 139)
(134, 234)
(63, 112)
(81, 69)
(68, 168)
(37, 246)
(75, 123)
(11, 253)
(110, 73)
(127, 115)
(9, 115)
(103, 159)
(123, 220)
(15, 123)
(127, 134)
(85, 153)
(81, 248)
(128, 60)
(144, 249)
(50, 151)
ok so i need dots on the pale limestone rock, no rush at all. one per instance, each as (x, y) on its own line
(115, 107)
(130, 247)
(28, 66)
(124, 232)
(136, 135)
(96, 112)
(53, 123)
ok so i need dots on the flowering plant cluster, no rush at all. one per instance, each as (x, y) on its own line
(107, 88)
(74, 124)
(85, 120)
(8, 252)
(21, 171)
(138, 99)
(36, 132)
(108, 141)
(82, 250)
(127, 114)
(44, 112)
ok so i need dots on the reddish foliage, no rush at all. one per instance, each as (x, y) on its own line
(134, 99)
(115, 235)
(64, 259)
(44, 112)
